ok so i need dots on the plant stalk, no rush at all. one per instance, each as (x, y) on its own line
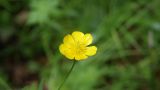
(68, 74)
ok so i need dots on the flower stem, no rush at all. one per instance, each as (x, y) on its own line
(74, 62)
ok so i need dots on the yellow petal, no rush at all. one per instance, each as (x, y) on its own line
(66, 51)
(78, 36)
(91, 50)
(88, 39)
(69, 39)
(62, 49)
(80, 57)
(69, 56)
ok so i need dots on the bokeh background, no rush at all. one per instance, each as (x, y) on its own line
(126, 32)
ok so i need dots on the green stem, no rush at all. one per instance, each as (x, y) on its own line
(74, 62)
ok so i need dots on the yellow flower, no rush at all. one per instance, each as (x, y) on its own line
(75, 46)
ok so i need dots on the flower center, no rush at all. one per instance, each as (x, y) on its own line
(81, 49)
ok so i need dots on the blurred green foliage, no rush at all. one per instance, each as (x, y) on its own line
(127, 34)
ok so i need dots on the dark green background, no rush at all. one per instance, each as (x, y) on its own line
(126, 32)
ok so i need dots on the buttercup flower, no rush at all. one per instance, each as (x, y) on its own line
(75, 46)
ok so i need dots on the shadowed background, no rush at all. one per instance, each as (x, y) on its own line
(126, 33)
